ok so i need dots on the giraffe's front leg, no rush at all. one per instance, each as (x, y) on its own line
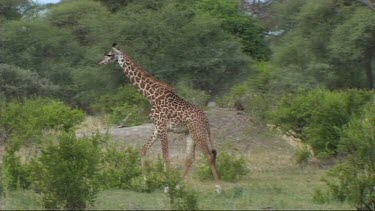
(163, 135)
(165, 148)
(146, 147)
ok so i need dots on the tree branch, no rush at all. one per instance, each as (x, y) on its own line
(369, 3)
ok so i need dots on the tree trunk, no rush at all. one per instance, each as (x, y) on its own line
(368, 69)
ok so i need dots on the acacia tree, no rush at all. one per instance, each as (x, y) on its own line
(326, 40)
(236, 21)
(12, 10)
(354, 41)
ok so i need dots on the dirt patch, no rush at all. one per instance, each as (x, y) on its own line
(228, 129)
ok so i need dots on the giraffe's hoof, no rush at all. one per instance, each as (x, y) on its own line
(144, 183)
(166, 189)
(218, 189)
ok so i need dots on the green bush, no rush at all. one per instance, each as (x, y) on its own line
(181, 198)
(318, 115)
(186, 91)
(237, 93)
(303, 155)
(230, 167)
(354, 179)
(18, 83)
(129, 115)
(120, 167)
(321, 197)
(64, 174)
(257, 94)
(1, 181)
(15, 174)
(126, 102)
(26, 122)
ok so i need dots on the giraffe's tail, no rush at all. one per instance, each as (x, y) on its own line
(214, 152)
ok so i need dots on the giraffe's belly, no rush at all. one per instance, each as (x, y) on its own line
(176, 127)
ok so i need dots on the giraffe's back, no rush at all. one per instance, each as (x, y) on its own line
(179, 113)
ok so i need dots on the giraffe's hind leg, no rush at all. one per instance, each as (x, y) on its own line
(190, 154)
(200, 137)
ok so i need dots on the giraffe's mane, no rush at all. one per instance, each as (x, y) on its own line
(147, 74)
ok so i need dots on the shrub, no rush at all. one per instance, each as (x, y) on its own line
(195, 96)
(128, 115)
(120, 167)
(230, 167)
(257, 94)
(354, 179)
(321, 197)
(26, 122)
(18, 83)
(65, 171)
(237, 93)
(318, 115)
(1, 181)
(303, 155)
(15, 174)
(180, 197)
(126, 102)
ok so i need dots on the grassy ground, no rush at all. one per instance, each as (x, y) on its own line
(281, 189)
(274, 182)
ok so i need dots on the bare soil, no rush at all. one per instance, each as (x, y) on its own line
(227, 125)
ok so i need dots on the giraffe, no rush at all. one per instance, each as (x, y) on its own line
(169, 113)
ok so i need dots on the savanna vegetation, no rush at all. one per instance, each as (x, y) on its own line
(304, 68)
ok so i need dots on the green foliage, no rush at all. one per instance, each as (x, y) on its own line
(172, 40)
(238, 23)
(327, 40)
(317, 116)
(354, 179)
(91, 85)
(119, 166)
(127, 103)
(13, 9)
(353, 40)
(181, 198)
(186, 200)
(260, 92)
(88, 21)
(1, 181)
(286, 12)
(115, 5)
(15, 174)
(230, 167)
(197, 97)
(174, 44)
(303, 155)
(238, 92)
(18, 83)
(48, 44)
(321, 197)
(37, 116)
(65, 171)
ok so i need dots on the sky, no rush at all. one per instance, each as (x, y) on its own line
(46, 1)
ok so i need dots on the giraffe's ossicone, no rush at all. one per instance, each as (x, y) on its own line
(169, 113)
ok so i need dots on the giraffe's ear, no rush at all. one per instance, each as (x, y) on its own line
(114, 44)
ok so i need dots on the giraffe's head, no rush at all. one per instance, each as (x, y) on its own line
(112, 55)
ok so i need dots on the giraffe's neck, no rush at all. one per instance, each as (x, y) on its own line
(142, 80)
